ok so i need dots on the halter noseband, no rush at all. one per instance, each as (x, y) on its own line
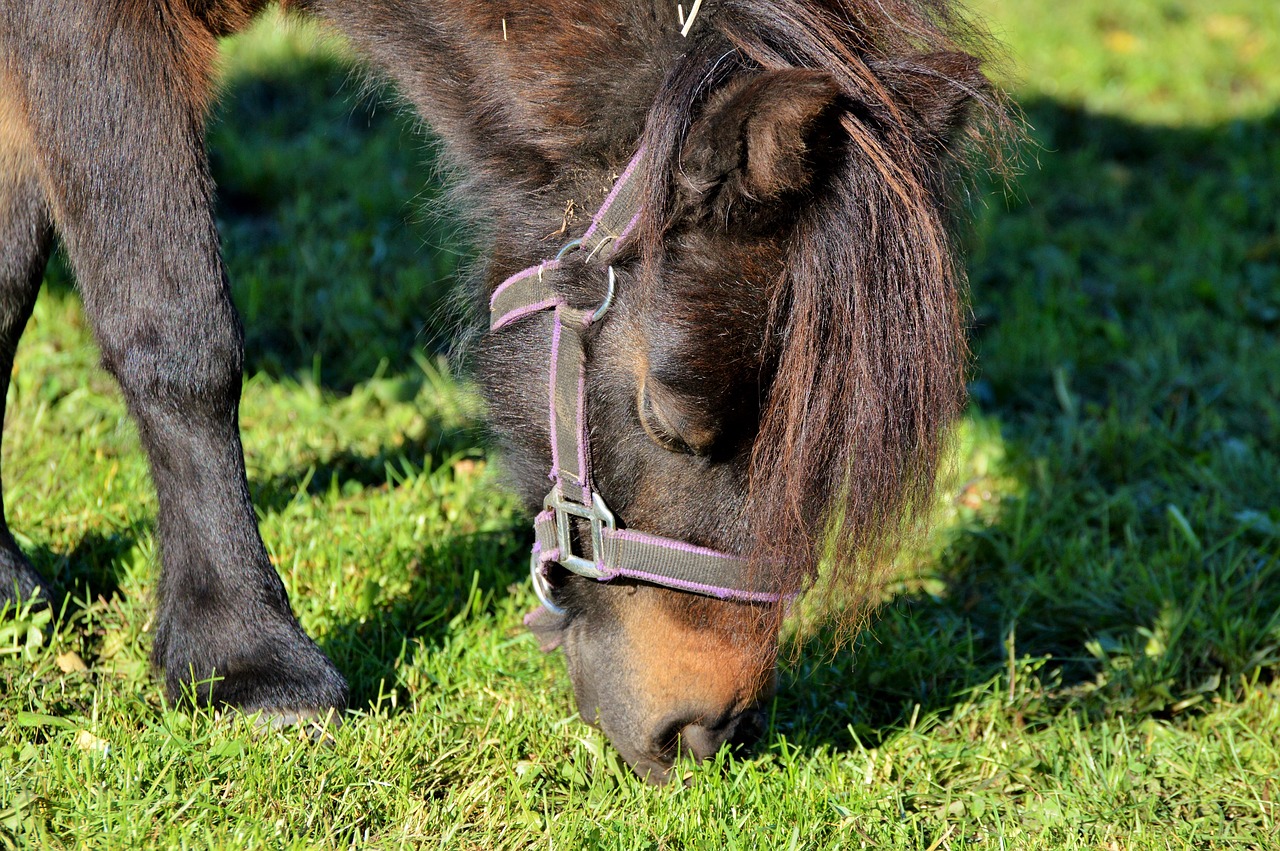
(614, 552)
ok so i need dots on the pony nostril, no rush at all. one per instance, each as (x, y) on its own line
(694, 736)
(700, 742)
(666, 743)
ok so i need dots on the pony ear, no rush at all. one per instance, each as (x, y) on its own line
(938, 88)
(758, 140)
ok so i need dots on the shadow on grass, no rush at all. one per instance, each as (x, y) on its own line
(91, 570)
(1126, 298)
(467, 575)
(437, 447)
(339, 248)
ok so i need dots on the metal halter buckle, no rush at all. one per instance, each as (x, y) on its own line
(600, 517)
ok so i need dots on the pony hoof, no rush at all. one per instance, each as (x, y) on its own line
(316, 726)
(20, 584)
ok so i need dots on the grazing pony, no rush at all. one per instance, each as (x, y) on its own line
(724, 311)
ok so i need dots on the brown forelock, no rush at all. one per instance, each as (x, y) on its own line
(866, 329)
(705, 336)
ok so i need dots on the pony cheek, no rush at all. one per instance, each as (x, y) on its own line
(602, 674)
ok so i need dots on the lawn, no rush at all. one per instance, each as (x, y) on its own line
(1083, 654)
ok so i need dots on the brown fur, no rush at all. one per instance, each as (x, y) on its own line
(17, 145)
(15, 132)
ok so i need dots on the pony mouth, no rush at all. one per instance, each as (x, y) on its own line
(547, 627)
(695, 744)
(654, 773)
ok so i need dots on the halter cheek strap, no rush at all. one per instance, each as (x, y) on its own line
(614, 552)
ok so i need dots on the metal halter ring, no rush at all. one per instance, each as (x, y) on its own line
(600, 311)
(608, 298)
(567, 247)
(541, 586)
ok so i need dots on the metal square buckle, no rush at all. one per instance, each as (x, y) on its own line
(600, 517)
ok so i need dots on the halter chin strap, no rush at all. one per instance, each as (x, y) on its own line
(614, 552)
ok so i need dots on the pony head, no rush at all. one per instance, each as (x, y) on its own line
(782, 355)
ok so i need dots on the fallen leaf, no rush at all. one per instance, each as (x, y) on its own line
(71, 663)
(466, 468)
(87, 741)
(1121, 41)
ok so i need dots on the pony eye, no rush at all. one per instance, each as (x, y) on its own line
(675, 422)
(658, 428)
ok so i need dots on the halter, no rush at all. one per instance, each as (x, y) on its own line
(615, 552)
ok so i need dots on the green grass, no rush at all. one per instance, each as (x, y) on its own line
(1084, 654)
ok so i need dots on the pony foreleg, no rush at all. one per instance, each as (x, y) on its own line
(116, 105)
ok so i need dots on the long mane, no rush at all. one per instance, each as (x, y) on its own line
(865, 334)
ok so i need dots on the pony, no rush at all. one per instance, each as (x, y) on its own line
(744, 371)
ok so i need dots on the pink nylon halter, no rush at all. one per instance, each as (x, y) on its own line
(615, 552)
